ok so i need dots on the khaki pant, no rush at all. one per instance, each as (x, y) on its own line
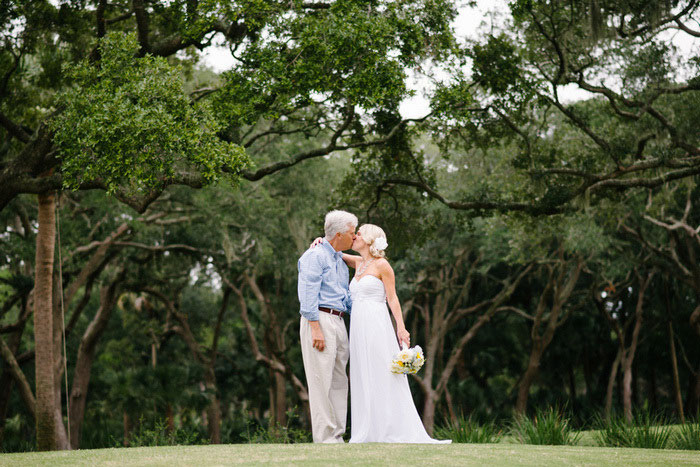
(326, 377)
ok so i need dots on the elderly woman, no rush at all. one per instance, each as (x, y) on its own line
(382, 408)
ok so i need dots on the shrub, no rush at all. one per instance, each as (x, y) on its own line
(279, 434)
(465, 430)
(18, 435)
(646, 431)
(687, 437)
(547, 427)
(159, 435)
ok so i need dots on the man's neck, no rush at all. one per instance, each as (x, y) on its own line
(334, 243)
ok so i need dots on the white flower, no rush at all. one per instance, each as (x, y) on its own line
(408, 361)
(380, 243)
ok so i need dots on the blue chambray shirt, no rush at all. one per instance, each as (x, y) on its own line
(323, 281)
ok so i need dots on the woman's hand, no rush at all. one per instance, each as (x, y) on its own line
(317, 241)
(404, 337)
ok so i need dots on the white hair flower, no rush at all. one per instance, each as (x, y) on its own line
(380, 243)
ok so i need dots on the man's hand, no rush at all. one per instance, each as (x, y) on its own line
(318, 342)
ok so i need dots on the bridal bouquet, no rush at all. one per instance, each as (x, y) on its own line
(408, 360)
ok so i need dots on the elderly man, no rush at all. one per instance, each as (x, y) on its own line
(325, 299)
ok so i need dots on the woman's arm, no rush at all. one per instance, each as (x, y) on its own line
(351, 260)
(386, 274)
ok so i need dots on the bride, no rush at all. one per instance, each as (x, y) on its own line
(381, 405)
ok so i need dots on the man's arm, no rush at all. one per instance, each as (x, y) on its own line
(309, 287)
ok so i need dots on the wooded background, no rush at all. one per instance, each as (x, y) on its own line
(547, 251)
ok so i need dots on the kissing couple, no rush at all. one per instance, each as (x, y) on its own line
(382, 408)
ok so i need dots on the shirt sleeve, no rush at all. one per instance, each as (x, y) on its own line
(309, 285)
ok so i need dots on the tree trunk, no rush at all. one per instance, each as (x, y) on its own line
(46, 433)
(127, 428)
(86, 355)
(213, 411)
(528, 378)
(429, 411)
(627, 356)
(62, 442)
(450, 406)
(560, 286)
(214, 419)
(170, 418)
(280, 398)
(676, 379)
(611, 385)
(635, 383)
(674, 359)
(627, 388)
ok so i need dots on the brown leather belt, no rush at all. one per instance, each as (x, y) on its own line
(332, 311)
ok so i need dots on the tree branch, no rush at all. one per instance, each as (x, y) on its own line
(13, 129)
(24, 389)
(331, 147)
(139, 8)
(100, 18)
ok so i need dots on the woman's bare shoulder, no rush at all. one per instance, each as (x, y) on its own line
(384, 265)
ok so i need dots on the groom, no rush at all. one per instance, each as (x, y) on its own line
(325, 299)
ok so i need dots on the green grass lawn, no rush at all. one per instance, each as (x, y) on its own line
(358, 454)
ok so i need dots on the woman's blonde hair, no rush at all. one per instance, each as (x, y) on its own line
(370, 233)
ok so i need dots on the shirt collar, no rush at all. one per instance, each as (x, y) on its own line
(337, 254)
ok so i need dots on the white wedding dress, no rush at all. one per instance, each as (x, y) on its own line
(381, 405)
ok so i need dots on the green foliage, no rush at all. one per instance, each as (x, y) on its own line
(127, 122)
(159, 435)
(687, 437)
(496, 64)
(466, 430)
(548, 427)
(352, 52)
(15, 437)
(526, 237)
(645, 431)
(279, 434)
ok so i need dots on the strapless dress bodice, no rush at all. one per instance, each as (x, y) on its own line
(367, 288)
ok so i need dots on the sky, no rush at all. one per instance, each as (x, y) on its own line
(469, 24)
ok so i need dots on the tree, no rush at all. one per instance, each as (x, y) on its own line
(449, 294)
(161, 135)
(666, 230)
(632, 132)
(561, 276)
(275, 86)
(46, 410)
(611, 307)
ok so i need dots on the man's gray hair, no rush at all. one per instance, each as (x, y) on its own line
(338, 221)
